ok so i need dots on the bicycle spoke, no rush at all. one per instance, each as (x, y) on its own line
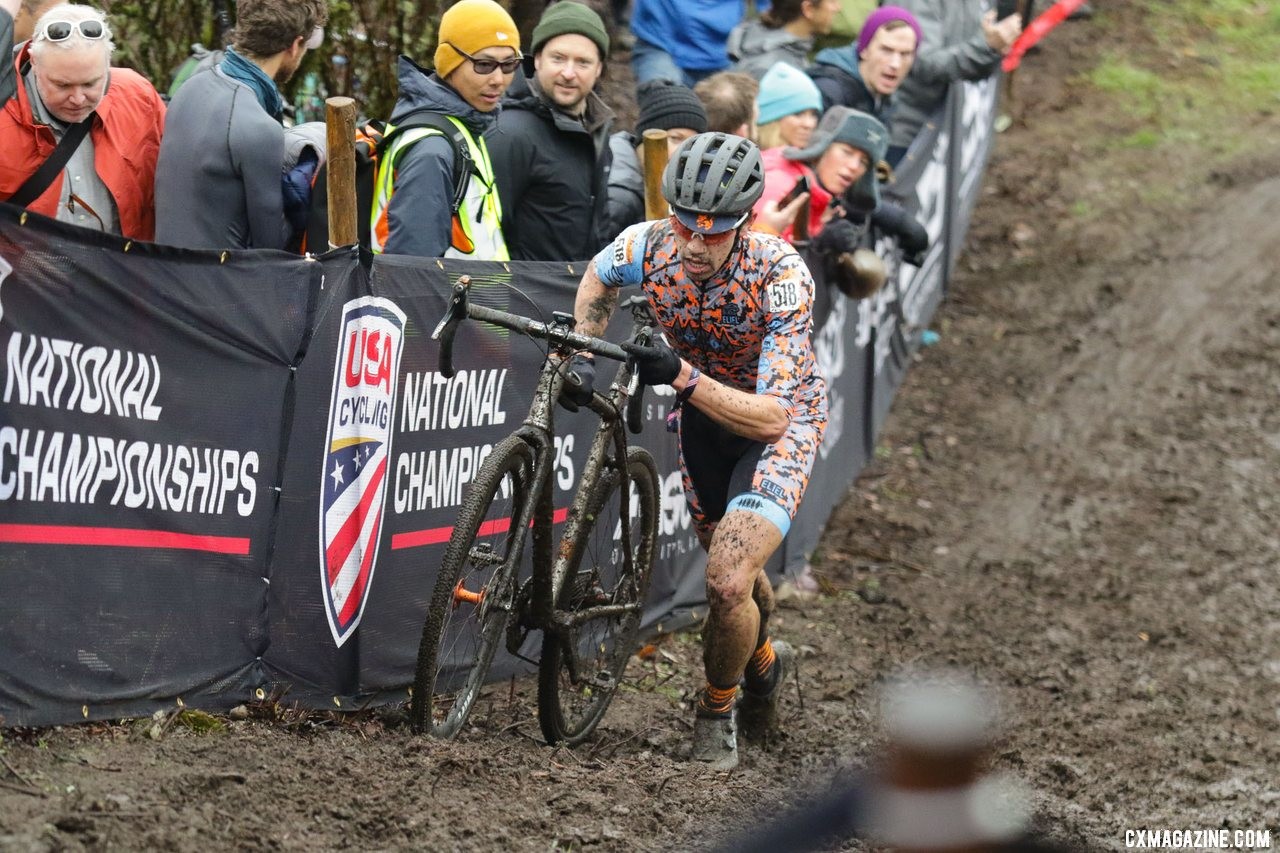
(582, 666)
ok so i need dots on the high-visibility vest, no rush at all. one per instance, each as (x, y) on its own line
(476, 231)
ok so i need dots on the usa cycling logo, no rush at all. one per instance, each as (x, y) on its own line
(358, 449)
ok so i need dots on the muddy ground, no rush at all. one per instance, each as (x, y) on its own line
(1075, 500)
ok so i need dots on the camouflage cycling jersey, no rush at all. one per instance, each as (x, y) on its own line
(748, 326)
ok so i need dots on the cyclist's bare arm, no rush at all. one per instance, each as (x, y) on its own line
(594, 304)
(756, 416)
(759, 417)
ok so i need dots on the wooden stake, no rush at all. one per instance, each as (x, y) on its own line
(340, 125)
(655, 162)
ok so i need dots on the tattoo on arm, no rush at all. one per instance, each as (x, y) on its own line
(600, 309)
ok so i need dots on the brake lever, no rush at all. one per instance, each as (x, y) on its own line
(444, 331)
(635, 390)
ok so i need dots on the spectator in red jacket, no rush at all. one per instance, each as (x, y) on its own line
(840, 157)
(63, 72)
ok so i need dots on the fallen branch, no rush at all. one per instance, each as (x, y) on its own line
(16, 774)
(23, 789)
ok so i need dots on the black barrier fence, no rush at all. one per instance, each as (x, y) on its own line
(228, 476)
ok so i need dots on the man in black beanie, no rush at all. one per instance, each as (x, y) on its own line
(665, 106)
(551, 150)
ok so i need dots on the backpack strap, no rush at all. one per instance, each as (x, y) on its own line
(463, 165)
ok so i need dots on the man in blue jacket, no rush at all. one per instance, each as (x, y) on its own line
(682, 45)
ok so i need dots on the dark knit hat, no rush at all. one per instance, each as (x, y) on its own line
(568, 17)
(665, 105)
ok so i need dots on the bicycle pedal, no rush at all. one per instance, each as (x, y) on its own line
(603, 680)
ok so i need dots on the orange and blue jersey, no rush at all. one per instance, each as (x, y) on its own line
(749, 327)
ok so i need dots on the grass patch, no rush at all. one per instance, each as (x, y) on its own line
(1219, 59)
(1139, 90)
(1210, 93)
(1145, 138)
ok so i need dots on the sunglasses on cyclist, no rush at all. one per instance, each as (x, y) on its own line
(62, 30)
(485, 66)
(685, 233)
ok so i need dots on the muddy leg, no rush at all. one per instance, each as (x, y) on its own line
(735, 572)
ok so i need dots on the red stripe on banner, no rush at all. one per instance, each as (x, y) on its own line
(121, 537)
(436, 535)
(349, 533)
(351, 608)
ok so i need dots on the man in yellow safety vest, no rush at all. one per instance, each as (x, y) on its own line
(435, 194)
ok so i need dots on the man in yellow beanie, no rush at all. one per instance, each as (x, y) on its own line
(435, 194)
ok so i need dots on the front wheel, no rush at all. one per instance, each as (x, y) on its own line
(473, 594)
(582, 667)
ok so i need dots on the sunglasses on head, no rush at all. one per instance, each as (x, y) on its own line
(686, 233)
(485, 66)
(62, 30)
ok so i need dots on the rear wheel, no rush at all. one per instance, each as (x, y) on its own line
(473, 594)
(582, 667)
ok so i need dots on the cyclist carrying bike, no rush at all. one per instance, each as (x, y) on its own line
(750, 406)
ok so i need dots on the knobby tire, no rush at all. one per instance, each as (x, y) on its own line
(567, 711)
(460, 637)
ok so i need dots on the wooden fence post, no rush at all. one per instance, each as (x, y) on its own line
(655, 162)
(340, 127)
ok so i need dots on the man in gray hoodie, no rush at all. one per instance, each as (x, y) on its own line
(959, 41)
(220, 176)
(866, 75)
(785, 33)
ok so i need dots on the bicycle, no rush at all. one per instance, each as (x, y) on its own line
(587, 596)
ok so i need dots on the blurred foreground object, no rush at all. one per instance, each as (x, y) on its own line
(931, 790)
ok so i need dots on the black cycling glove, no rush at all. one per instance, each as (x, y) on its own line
(573, 395)
(894, 220)
(656, 364)
(838, 235)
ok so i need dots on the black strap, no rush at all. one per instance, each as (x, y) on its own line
(463, 166)
(35, 185)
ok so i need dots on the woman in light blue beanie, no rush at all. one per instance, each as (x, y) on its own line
(790, 104)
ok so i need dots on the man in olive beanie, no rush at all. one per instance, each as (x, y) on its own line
(415, 211)
(551, 151)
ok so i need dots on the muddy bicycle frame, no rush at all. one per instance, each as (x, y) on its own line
(620, 403)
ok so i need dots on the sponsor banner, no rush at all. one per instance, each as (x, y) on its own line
(140, 444)
(938, 181)
(441, 431)
(947, 179)
(973, 108)
(357, 452)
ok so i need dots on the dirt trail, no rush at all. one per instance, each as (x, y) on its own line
(1075, 500)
